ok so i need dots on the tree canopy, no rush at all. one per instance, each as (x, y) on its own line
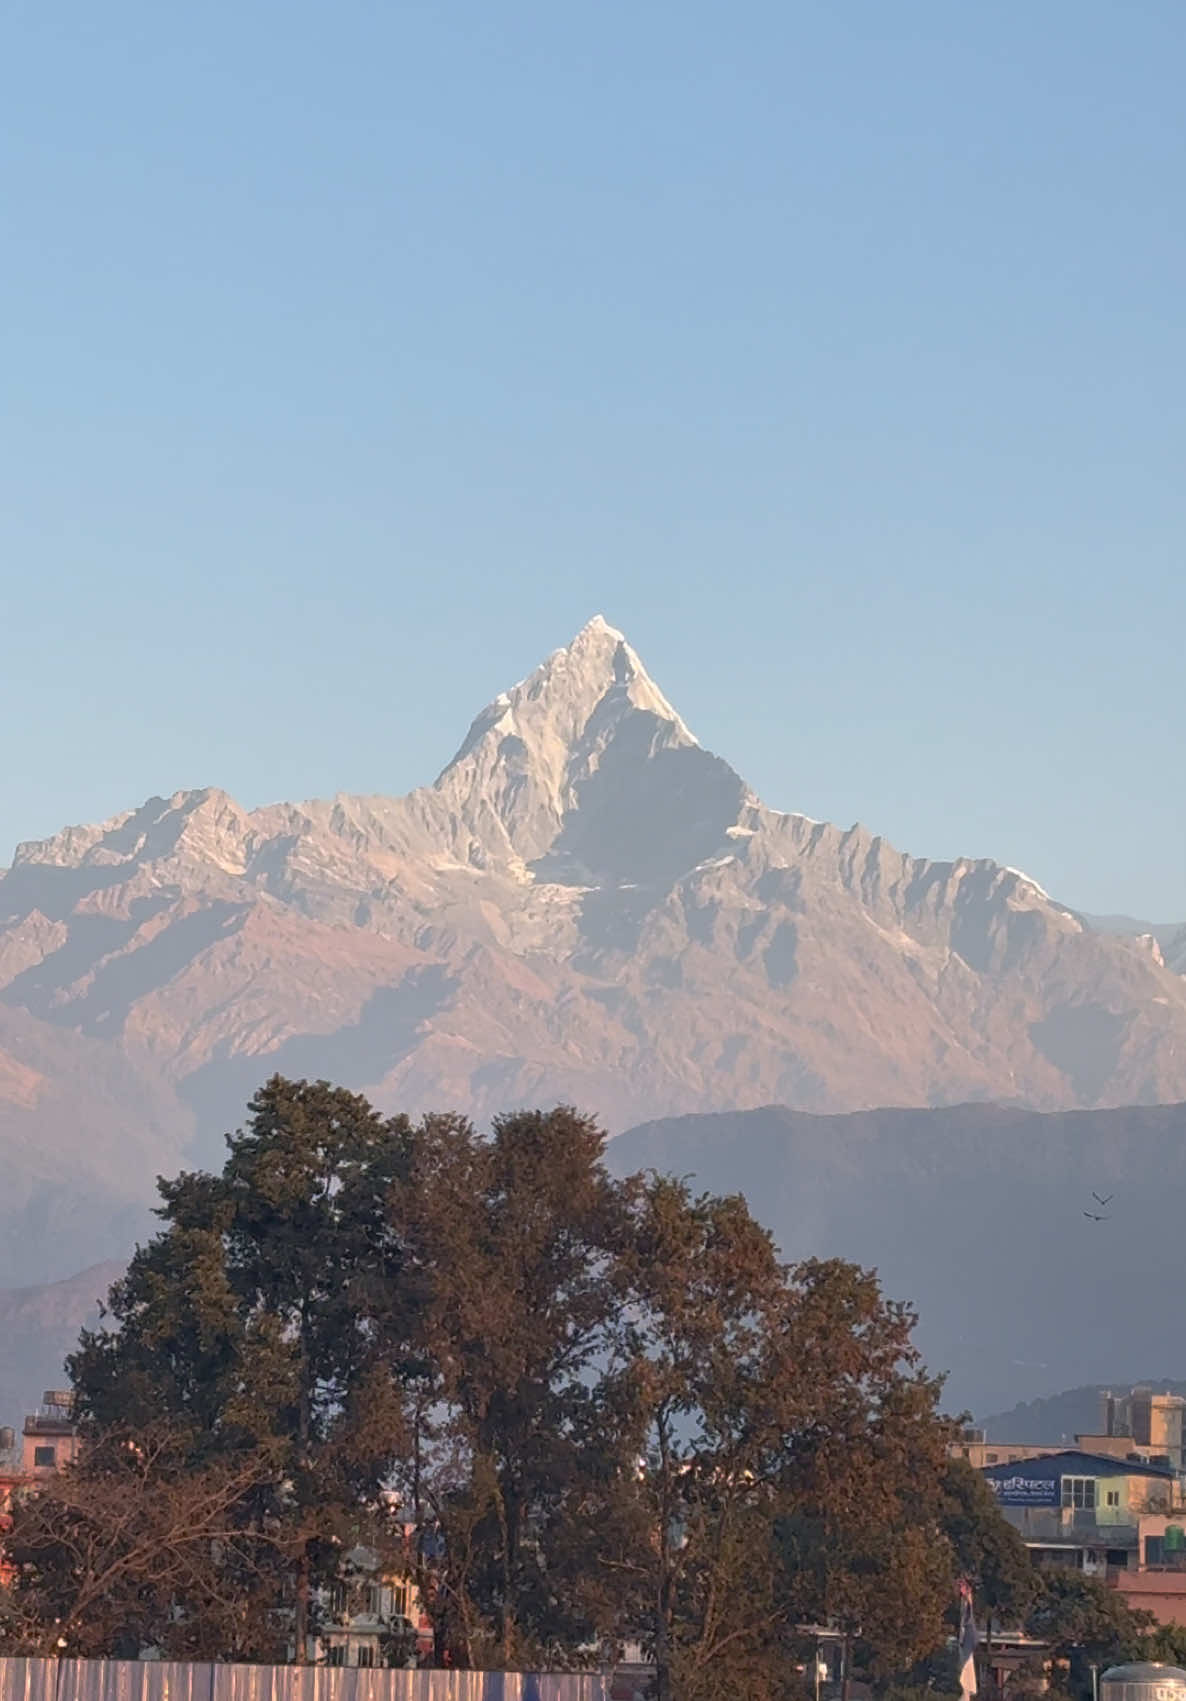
(583, 1410)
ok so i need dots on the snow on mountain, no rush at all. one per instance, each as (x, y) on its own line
(1166, 940)
(584, 905)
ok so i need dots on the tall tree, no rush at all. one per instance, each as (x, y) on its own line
(1085, 1623)
(790, 1440)
(511, 1245)
(988, 1551)
(691, 1365)
(860, 1534)
(609, 1409)
(250, 1320)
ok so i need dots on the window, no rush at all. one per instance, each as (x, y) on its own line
(335, 1601)
(366, 1656)
(44, 1458)
(401, 1600)
(336, 1656)
(375, 1594)
(1079, 1492)
(993, 1458)
(1112, 1498)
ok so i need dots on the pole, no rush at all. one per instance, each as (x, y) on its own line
(1095, 1683)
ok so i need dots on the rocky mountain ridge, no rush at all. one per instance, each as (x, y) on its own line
(586, 905)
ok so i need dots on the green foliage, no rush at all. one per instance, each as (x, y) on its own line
(792, 1452)
(249, 1322)
(1081, 1615)
(936, 1674)
(1086, 1623)
(1166, 1643)
(989, 1552)
(511, 1245)
(863, 1543)
(608, 1409)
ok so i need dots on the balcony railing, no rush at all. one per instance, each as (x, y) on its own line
(1064, 1526)
(48, 1423)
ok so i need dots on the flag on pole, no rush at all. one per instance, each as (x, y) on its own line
(967, 1643)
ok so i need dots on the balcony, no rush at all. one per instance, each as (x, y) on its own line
(1063, 1527)
(48, 1423)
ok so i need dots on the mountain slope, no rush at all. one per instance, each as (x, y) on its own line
(1169, 937)
(38, 1327)
(585, 905)
(974, 1213)
(1058, 1418)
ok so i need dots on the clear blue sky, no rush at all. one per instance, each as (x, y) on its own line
(354, 355)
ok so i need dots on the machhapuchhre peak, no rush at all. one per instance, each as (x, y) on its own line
(586, 906)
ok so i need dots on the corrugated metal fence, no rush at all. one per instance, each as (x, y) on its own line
(166, 1680)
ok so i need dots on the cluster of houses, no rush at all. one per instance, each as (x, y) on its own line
(1111, 1506)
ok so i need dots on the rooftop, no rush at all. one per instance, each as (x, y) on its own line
(1073, 1461)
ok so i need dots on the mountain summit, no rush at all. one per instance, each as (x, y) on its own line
(539, 755)
(598, 680)
(585, 905)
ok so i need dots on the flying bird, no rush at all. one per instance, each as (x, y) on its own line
(1095, 1218)
(1106, 1201)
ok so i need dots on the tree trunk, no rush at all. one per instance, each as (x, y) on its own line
(506, 1621)
(301, 1612)
(663, 1689)
(301, 1609)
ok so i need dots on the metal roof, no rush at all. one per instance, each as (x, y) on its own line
(1143, 1671)
(1073, 1461)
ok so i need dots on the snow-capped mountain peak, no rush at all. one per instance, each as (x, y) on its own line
(529, 756)
(586, 906)
(552, 707)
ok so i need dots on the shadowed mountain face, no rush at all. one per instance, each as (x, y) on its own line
(584, 906)
(38, 1328)
(975, 1214)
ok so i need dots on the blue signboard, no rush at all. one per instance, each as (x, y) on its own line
(1018, 1489)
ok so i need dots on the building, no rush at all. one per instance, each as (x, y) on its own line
(10, 1481)
(1113, 1506)
(974, 1446)
(49, 1439)
(1159, 1589)
(1151, 1426)
(1092, 1511)
(1151, 1423)
(372, 1618)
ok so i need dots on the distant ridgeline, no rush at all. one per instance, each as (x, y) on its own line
(1063, 1416)
(980, 1216)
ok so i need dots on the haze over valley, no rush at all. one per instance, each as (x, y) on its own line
(586, 906)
